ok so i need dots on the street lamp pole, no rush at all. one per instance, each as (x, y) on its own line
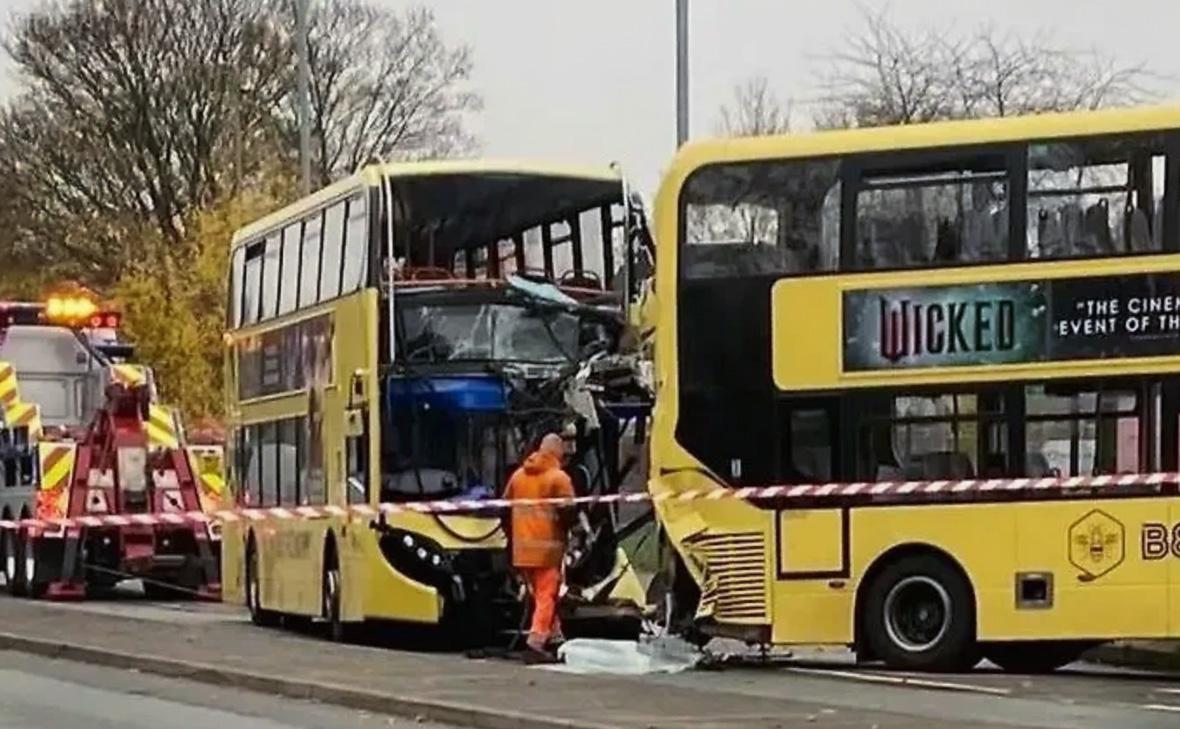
(681, 72)
(303, 103)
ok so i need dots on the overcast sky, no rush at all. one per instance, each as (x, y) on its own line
(593, 80)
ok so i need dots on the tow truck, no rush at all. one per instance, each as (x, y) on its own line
(91, 463)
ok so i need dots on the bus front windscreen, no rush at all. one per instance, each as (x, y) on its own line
(487, 332)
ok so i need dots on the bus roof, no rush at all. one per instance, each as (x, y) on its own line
(475, 168)
(917, 136)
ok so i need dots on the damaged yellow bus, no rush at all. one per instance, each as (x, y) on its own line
(950, 317)
(405, 336)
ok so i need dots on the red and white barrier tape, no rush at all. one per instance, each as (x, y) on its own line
(821, 491)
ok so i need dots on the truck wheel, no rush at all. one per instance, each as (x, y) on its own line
(258, 615)
(919, 614)
(1035, 656)
(13, 564)
(35, 584)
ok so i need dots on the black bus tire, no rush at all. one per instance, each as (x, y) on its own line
(258, 615)
(919, 614)
(34, 568)
(1035, 656)
(332, 591)
(14, 563)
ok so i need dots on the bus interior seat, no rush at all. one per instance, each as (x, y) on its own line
(1138, 231)
(1097, 231)
(1036, 465)
(889, 240)
(985, 235)
(994, 465)
(809, 465)
(581, 280)
(1051, 234)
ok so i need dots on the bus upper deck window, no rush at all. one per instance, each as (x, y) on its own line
(761, 218)
(1096, 197)
(935, 212)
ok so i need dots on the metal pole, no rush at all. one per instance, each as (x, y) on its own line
(681, 72)
(303, 103)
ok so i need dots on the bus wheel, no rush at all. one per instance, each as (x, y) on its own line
(258, 615)
(1035, 656)
(13, 577)
(920, 615)
(331, 592)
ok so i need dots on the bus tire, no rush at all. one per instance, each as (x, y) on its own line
(1035, 656)
(920, 615)
(258, 615)
(13, 564)
(331, 590)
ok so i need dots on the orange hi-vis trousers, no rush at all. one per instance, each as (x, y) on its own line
(544, 584)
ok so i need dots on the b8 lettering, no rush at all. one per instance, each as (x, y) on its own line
(1158, 541)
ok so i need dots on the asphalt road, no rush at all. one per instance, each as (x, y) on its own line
(1085, 696)
(40, 693)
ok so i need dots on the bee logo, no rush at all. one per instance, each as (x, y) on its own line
(1096, 544)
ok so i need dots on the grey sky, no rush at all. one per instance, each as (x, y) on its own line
(592, 81)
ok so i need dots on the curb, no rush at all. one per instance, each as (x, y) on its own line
(1130, 656)
(441, 712)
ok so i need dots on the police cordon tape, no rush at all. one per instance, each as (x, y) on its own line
(801, 492)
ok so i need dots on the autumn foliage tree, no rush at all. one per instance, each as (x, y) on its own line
(145, 131)
(175, 303)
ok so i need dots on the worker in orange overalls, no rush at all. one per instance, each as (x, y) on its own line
(538, 539)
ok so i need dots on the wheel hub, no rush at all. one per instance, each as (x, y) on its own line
(917, 613)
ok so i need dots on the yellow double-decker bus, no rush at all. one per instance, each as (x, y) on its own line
(404, 336)
(968, 311)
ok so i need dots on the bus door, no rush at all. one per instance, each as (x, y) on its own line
(811, 543)
(347, 440)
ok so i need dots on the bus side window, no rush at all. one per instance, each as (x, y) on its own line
(809, 450)
(252, 282)
(1096, 197)
(356, 246)
(289, 286)
(761, 218)
(924, 210)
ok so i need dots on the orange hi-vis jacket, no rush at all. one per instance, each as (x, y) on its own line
(538, 536)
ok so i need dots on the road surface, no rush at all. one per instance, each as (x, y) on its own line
(826, 687)
(40, 693)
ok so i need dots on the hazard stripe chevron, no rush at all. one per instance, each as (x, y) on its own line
(129, 375)
(800, 494)
(161, 428)
(57, 462)
(24, 414)
(9, 391)
(57, 465)
(213, 483)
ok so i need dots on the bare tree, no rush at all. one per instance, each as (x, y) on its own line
(889, 74)
(136, 114)
(385, 85)
(754, 110)
(127, 118)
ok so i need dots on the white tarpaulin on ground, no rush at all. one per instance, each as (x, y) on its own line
(627, 658)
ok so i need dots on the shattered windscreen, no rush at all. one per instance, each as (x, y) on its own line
(487, 332)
